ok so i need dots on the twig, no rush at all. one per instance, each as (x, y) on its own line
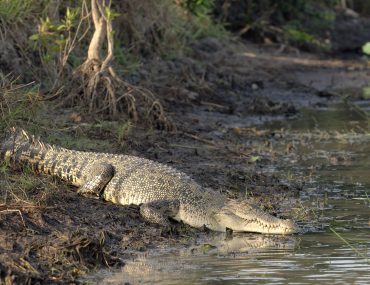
(216, 145)
(210, 104)
(27, 206)
(183, 146)
(200, 139)
(16, 211)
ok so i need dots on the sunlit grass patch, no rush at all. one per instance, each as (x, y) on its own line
(100, 136)
(22, 187)
(19, 103)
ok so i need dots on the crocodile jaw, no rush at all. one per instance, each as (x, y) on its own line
(244, 217)
(278, 226)
(255, 225)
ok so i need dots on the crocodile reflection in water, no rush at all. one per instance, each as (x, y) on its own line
(148, 269)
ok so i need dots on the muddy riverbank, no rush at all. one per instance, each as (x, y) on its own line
(49, 234)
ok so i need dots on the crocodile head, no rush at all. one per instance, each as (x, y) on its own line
(241, 216)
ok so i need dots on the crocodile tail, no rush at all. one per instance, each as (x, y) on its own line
(12, 141)
(18, 135)
(19, 141)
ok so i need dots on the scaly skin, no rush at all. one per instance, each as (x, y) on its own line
(160, 190)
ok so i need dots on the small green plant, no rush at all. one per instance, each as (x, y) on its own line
(57, 39)
(197, 7)
(110, 13)
(53, 37)
(305, 26)
(302, 39)
(203, 23)
(366, 48)
(205, 26)
(206, 248)
(123, 132)
(302, 23)
(127, 61)
(255, 158)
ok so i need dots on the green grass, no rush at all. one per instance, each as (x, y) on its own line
(358, 253)
(19, 103)
(302, 39)
(78, 141)
(13, 11)
(23, 187)
(98, 136)
(123, 132)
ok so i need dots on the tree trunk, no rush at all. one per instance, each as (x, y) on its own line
(100, 24)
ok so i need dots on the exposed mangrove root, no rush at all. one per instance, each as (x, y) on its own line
(96, 86)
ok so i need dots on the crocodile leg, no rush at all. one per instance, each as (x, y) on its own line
(158, 211)
(99, 175)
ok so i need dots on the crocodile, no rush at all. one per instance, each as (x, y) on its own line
(162, 192)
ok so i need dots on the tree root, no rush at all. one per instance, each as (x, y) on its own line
(103, 92)
(97, 87)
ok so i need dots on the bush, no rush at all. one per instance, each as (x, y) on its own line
(303, 23)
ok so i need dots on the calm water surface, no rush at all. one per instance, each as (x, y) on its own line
(334, 145)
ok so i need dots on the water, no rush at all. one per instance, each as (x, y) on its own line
(334, 155)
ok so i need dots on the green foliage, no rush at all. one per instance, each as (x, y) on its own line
(299, 9)
(127, 61)
(205, 26)
(366, 48)
(302, 39)
(53, 36)
(197, 7)
(206, 247)
(198, 24)
(366, 93)
(13, 11)
(305, 26)
(298, 36)
(75, 60)
(111, 14)
(254, 158)
(303, 23)
(201, 23)
(170, 35)
(123, 132)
